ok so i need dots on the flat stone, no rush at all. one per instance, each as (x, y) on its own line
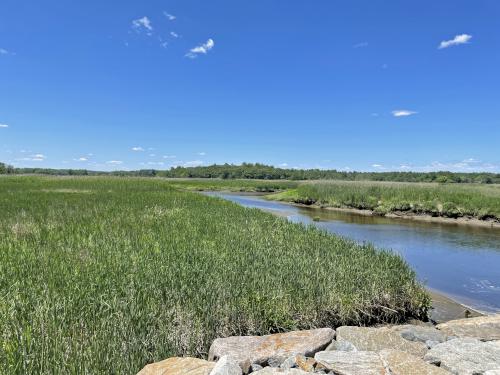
(226, 366)
(420, 333)
(401, 363)
(463, 356)
(484, 328)
(280, 371)
(271, 348)
(178, 366)
(376, 339)
(352, 363)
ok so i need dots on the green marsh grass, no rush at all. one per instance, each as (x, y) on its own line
(446, 200)
(104, 275)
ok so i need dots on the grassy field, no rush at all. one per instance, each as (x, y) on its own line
(103, 275)
(446, 200)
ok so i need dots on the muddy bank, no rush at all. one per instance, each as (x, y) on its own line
(406, 215)
(445, 309)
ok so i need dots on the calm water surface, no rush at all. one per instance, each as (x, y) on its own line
(460, 261)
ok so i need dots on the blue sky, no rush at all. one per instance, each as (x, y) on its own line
(356, 85)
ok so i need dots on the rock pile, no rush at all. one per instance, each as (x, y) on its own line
(465, 346)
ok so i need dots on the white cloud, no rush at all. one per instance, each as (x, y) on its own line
(283, 165)
(114, 162)
(201, 49)
(403, 113)
(5, 52)
(137, 148)
(169, 156)
(155, 163)
(36, 157)
(152, 155)
(458, 39)
(173, 34)
(83, 158)
(360, 45)
(4, 126)
(142, 23)
(377, 165)
(202, 153)
(169, 16)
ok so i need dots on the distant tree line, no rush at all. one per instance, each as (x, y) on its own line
(267, 172)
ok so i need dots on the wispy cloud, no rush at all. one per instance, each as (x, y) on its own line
(169, 16)
(466, 165)
(114, 162)
(403, 113)
(169, 156)
(360, 45)
(137, 149)
(202, 153)
(143, 23)
(35, 157)
(5, 52)
(457, 40)
(83, 158)
(201, 49)
(4, 126)
(173, 34)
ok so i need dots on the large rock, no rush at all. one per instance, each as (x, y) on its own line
(375, 339)
(178, 366)
(226, 366)
(401, 363)
(271, 348)
(279, 371)
(352, 363)
(463, 356)
(420, 333)
(385, 362)
(484, 328)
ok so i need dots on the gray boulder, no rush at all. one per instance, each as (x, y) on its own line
(484, 328)
(273, 349)
(464, 356)
(401, 363)
(352, 363)
(376, 339)
(420, 333)
(279, 371)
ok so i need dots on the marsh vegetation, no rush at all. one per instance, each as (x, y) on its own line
(104, 275)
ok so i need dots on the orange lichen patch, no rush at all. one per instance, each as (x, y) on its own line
(178, 366)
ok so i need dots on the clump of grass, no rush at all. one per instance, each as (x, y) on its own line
(137, 271)
(454, 201)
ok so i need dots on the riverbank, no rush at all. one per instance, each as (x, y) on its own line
(464, 205)
(405, 215)
(445, 307)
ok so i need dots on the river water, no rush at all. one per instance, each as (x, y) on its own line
(460, 261)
